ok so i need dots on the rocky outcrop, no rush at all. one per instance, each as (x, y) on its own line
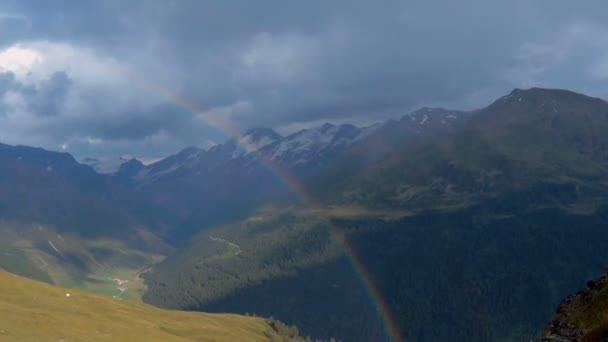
(566, 324)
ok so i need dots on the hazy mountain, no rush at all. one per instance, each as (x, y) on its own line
(127, 170)
(62, 222)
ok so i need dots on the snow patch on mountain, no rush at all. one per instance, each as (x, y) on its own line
(107, 166)
(311, 144)
(424, 119)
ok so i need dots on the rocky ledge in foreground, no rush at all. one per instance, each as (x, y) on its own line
(581, 317)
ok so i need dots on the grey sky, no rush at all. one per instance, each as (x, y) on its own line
(85, 75)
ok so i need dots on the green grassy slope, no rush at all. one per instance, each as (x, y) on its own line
(34, 311)
(96, 264)
(15, 260)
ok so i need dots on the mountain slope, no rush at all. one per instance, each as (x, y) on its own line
(52, 188)
(458, 275)
(36, 311)
(291, 247)
(552, 140)
(63, 223)
(472, 234)
(199, 185)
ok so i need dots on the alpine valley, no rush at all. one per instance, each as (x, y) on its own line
(446, 225)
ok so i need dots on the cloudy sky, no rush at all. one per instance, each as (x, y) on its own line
(102, 78)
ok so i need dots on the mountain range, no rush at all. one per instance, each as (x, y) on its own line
(199, 185)
(471, 224)
(443, 218)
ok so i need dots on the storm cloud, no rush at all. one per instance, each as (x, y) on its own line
(101, 77)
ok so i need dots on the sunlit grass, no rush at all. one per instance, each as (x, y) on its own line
(34, 311)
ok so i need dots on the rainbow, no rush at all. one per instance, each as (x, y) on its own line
(383, 310)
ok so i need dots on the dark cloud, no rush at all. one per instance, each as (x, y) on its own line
(139, 124)
(303, 62)
(45, 99)
(48, 98)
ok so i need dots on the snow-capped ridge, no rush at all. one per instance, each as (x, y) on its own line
(253, 140)
(305, 145)
(107, 166)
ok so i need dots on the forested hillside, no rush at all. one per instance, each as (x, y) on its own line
(503, 274)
